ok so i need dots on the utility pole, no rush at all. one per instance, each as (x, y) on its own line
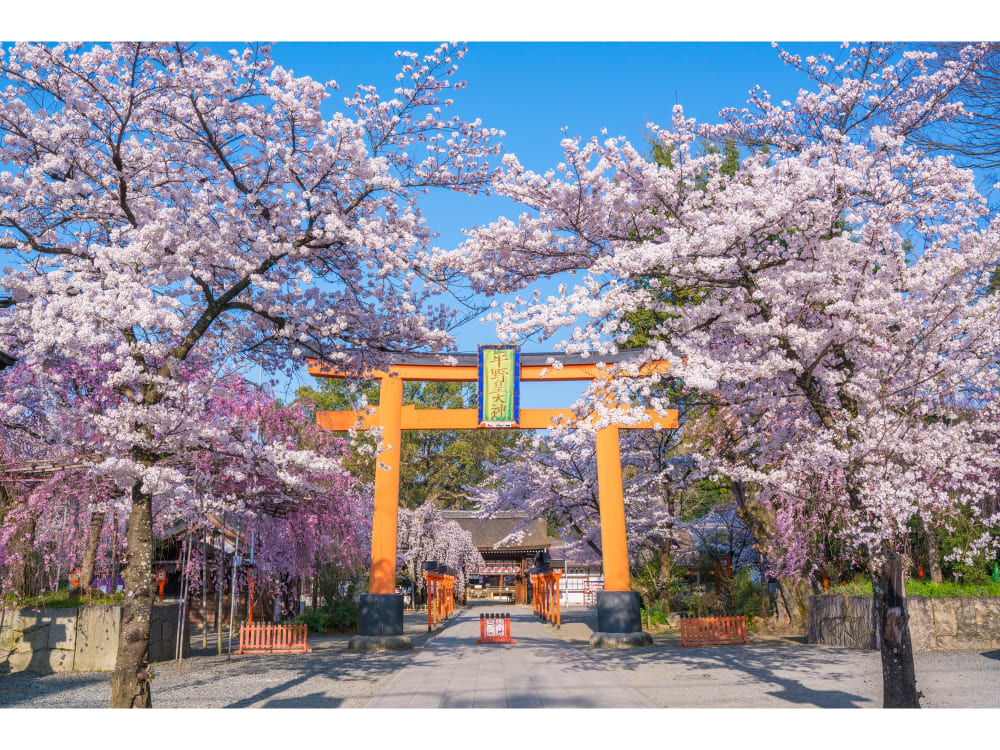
(204, 587)
(221, 584)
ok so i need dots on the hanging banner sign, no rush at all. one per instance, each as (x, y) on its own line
(499, 385)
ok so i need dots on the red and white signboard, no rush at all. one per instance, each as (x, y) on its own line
(498, 569)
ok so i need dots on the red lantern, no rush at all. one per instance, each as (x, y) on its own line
(161, 580)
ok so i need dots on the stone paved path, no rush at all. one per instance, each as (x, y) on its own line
(539, 670)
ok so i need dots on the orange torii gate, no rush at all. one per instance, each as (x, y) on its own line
(381, 622)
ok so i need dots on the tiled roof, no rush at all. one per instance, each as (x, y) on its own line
(488, 532)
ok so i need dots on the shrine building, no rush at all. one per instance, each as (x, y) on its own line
(508, 554)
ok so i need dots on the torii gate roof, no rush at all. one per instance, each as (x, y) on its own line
(463, 366)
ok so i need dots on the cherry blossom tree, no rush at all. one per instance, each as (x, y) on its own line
(556, 478)
(841, 317)
(45, 448)
(300, 513)
(425, 535)
(161, 203)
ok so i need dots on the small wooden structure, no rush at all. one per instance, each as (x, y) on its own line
(274, 639)
(707, 631)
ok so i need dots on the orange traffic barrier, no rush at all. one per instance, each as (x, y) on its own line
(495, 628)
(705, 631)
(274, 639)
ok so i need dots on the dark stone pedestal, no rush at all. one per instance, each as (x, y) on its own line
(619, 624)
(618, 612)
(381, 614)
(380, 626)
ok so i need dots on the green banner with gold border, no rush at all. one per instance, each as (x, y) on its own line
(499, 385)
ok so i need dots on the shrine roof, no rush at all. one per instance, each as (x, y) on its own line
(487, 533)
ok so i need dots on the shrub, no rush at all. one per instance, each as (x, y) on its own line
(752, 598)
(339, 615)
(707, 604)
(655, 613)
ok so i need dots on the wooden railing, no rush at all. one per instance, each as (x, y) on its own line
(274, 639)
(705, 631)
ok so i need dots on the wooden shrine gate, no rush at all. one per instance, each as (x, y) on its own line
(498, 370)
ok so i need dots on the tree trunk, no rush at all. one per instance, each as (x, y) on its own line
(892, 628)
(793, 603)
(114, 552)
(130, 682)
(792, 606)
(413, 586)
(90, 552)
(19, 562)
(933, 554)
(23, 566)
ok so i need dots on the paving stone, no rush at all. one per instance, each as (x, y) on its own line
(539, 669)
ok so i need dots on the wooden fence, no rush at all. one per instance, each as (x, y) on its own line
(705, 631)
(274, 639)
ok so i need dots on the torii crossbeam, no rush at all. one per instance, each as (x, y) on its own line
(381, 623)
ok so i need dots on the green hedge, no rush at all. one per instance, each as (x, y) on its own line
(918, 587)
(336, 616)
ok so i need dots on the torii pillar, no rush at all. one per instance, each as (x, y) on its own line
(381, 621)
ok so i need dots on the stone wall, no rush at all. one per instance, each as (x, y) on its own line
(37, 641)
(163, 633)
(936, 624)
(78, 640)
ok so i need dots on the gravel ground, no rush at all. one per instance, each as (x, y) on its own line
(767, 673)
(774, 672)
(330, 677)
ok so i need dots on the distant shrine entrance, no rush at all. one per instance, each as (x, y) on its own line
(499, 371)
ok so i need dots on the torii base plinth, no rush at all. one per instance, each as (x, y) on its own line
(380, 625)
(619, 622)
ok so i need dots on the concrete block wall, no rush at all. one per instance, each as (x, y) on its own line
(38, 641)
(936, 624)
(83, 639)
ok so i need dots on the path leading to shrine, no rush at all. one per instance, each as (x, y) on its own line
(539, 670)
(544, 668)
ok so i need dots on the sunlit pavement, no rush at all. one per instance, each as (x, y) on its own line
(539, 670)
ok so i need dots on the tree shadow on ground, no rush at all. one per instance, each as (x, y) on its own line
(313, 700)
(765, 663)
(200, 684)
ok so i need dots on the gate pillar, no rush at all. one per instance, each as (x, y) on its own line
(380, 625)
(618, 613)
